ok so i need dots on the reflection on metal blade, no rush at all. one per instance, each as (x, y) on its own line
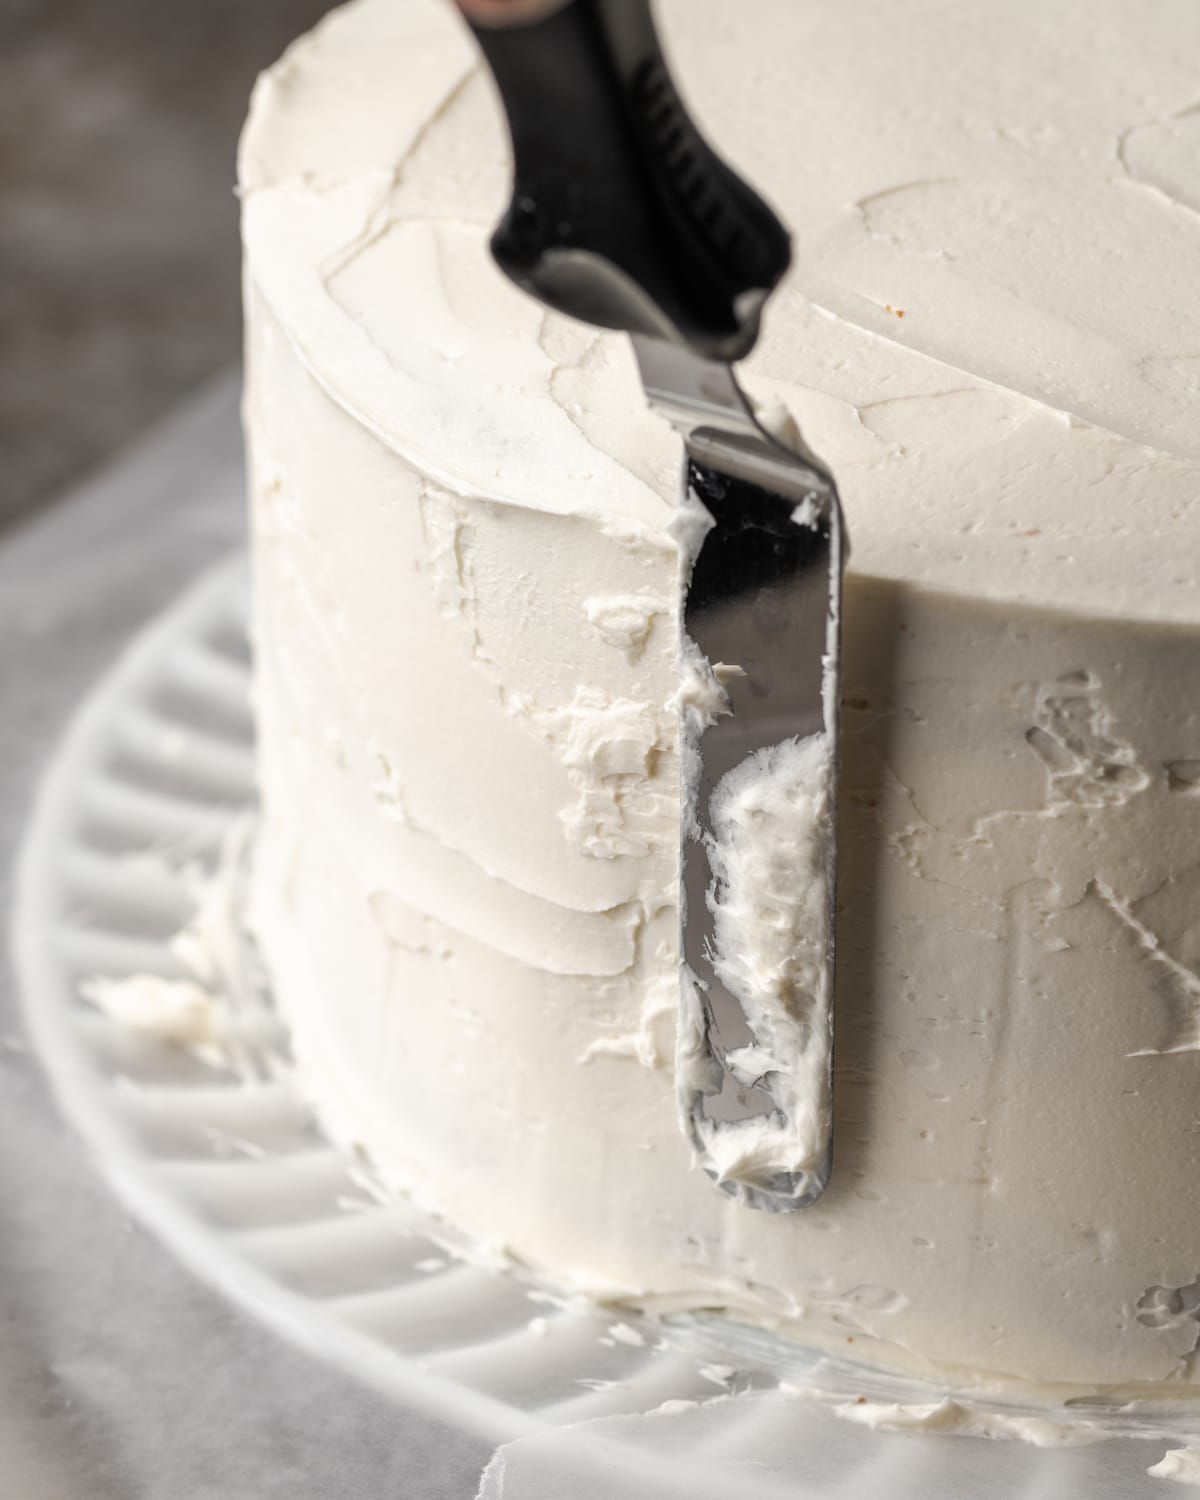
(758, 735)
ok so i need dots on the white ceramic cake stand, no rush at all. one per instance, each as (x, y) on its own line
(224, 1159)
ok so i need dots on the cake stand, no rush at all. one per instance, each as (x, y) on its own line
(219, 1153)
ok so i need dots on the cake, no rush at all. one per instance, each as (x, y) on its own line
(466, 633)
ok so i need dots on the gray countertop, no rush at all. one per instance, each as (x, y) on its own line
(120, 1374)
(118, 221)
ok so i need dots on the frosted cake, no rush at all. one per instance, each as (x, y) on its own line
(466, 639)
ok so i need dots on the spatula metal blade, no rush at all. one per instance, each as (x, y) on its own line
(762, 544)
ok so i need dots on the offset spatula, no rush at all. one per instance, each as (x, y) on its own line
(622, 216)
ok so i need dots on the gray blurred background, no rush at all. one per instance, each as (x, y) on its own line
(118, 223)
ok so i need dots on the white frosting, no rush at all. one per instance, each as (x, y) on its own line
(204, 1009)
(771, 825)
(178, 1011)
(1180, 1464)
(467, 637)
(959, 1419)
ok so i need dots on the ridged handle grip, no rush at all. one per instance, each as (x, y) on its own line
(621, 214)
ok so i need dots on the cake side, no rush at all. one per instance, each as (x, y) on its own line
(466, 642)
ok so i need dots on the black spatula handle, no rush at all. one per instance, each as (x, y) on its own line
(621, 214)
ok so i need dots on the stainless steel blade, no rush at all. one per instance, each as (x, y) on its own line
(762, 544)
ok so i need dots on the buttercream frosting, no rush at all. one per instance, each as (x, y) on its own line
(772, 826)
(1180, 1464)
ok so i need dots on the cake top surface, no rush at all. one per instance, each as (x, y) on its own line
(990, 330)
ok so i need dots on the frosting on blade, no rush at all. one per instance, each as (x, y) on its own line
(772, 820)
